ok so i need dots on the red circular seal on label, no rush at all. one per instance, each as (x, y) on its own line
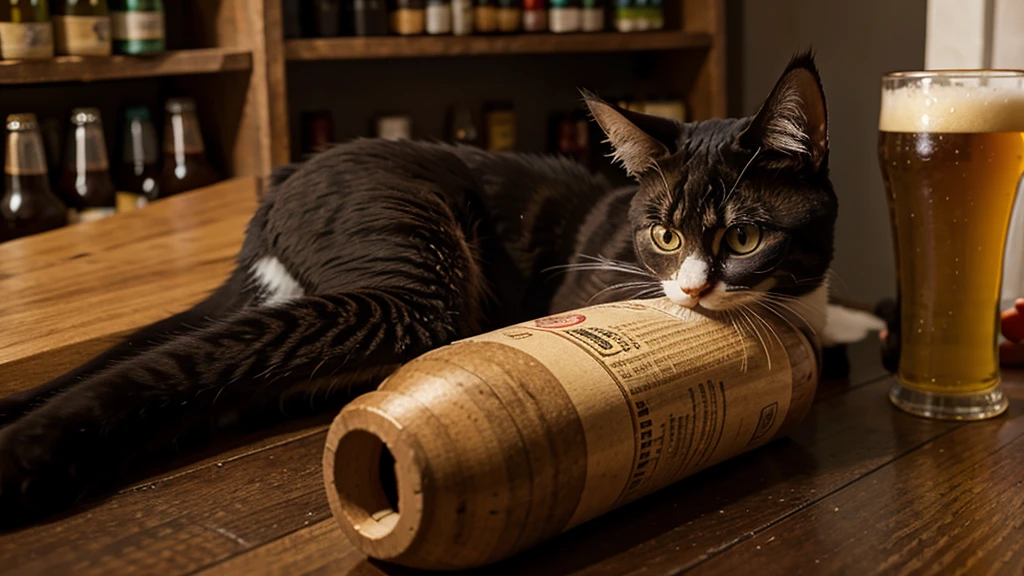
(560, 321)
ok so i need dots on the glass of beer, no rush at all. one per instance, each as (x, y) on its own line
(951, 149)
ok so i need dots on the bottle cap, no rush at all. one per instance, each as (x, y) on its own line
(136, 113)
(81, 116)
(21, 122)
(180, 105)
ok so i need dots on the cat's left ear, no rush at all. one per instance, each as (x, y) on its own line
(639, 140)
(791, 128)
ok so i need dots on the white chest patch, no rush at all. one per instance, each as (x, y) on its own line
(276, 285)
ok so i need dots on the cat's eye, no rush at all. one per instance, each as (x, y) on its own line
(666, 239)
(743, 238)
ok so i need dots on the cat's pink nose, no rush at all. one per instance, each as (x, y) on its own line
(696, 292)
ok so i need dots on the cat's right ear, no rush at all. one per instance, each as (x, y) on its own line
(639, 140)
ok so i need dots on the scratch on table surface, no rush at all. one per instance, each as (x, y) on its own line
(231, 535)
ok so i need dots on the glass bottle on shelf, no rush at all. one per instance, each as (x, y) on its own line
(82, 28)
(393, 126)
(439, 17)
(485, 16)
(535, 16)
(86, 185)
(369, 17)
(27, 206)
(291, 18)
(138, 26)
(627, 15)
(185, 166)
(137, 178)
(408, 17)
(510, 16)
(317, 131)
(592, 17)
(25, 30)
(500, 123)
(327, 18)
(462, 17)
(565, 16)
(461, 127)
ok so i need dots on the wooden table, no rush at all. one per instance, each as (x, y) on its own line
(860, 488)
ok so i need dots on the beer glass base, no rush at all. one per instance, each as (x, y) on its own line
(949, 406)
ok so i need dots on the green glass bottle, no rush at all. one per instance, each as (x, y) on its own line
(138, 26)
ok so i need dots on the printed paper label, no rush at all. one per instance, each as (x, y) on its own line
(137, 25)
(25, 41)
(691, 391)
(82, 35)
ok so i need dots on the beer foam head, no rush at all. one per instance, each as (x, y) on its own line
(927, 107)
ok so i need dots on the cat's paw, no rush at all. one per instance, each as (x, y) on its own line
(39, 473)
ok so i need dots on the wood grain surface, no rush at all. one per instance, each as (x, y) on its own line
(860, 488)
(70, 293)
(93, 68)
(427, 46)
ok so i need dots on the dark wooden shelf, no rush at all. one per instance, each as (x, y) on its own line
(90, 68)
(363, 48)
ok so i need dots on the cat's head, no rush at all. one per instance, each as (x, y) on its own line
(731, 211)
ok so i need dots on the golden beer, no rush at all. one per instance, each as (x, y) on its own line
(951, 150)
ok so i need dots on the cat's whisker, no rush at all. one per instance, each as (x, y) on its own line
(742, 310)
(789, 309)
(732, 321)
(621, 286)
(768, 326)
(770, 308)
(740, 177)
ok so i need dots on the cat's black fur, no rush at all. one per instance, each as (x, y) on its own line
(400, 247)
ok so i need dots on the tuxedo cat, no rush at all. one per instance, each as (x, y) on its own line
(374, 252)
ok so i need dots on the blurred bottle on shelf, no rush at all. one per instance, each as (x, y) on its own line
(137, 179)
(627, 17)
(393, 127)
(185, 166)
(369, 17)
(565, 16)
(86, 185)
(500, 126)
(592, 17)
(25, 30)
(462, 127)
(571, 137)
(510, 16)
(27, 206)
(439, 17)
(326, 18)
(317, 131)
(82, 28)
(535, 15)
(462, 17)
(408, 18)
(291, 16)
(138, 26)
(655, 15)
(485, 16)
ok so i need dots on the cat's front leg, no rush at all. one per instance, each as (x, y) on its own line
(47, 461)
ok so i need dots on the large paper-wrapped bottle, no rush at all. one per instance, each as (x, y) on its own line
(481, 449)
